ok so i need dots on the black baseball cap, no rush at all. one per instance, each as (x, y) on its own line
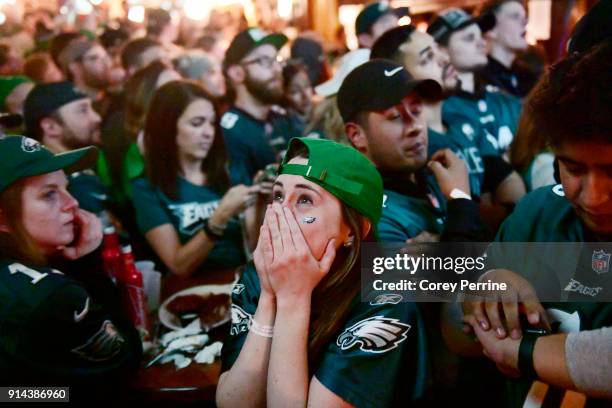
(247, 41)
(45, 99)
(10, 120)
(371, 13)
(594, 27)
(378, 85)
(453, 19)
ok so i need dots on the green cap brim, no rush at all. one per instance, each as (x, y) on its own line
(277, 40)
(70, 162)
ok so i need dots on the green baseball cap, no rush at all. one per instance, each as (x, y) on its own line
(22, 157)
(8, 85)
(341, 170)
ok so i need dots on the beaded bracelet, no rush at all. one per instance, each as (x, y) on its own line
(261, 330)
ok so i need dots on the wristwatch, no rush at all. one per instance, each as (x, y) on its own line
(458, 193)
(525, 357)
(214, 232)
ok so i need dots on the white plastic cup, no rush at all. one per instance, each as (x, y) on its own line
(151, 282)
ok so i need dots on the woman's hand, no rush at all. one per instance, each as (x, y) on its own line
(293, 270)
(261, 254)
(503, 352)
(88, 235)
(520, 297)
(234, 202)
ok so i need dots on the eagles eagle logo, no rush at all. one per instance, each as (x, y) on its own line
(238, 288)
(391, 298)
(376, 334)
(240, 321)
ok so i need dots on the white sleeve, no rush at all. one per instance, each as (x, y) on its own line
(589, 361)
(542, 171)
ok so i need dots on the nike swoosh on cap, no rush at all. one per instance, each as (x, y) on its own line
(80, 316)
(393, 71)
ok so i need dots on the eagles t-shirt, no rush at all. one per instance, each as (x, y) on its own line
(252, 144)
(466, 139)
(407, 211)
(186, 214)
(53, 332)
(497, 113)
(377, 359)
(545, 215)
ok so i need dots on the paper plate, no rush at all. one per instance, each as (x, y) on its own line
(172, 321)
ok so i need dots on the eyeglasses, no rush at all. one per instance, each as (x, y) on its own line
(266, 61)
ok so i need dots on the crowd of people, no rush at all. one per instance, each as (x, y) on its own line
(257, 155)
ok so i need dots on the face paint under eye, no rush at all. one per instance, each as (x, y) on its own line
(308, 220)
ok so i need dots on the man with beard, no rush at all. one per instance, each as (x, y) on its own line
(506, 40)
(61, 117)
(88, 66)
(460, 35)
(491, 178)
(255, 131)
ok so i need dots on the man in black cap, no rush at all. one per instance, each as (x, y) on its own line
(254, 132)
(460, 35)
(506, 40)
(382, 108)
(62, 118)
(374, 20)
(491, 178)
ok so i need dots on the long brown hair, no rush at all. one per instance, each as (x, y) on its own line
(139, 91)
(17, 244)
(162, 163)
(341, 284)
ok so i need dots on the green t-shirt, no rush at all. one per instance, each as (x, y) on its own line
(186, 215)
(466, 139)
(87, 188)
(545, 215)
(497, 112)
(53, 332)
(405, 216)
(252, 144)
(377, 358)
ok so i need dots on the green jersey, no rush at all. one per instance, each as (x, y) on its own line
(53, 332)
(376, 359)
(410, 210)
(186, 214)
(497, 112)
(465, 138)
(545, 215)
(252, 144)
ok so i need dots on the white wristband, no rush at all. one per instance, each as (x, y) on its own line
(260, 329)
(458, 193)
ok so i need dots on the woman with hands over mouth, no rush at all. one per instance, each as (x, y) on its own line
(300, 333)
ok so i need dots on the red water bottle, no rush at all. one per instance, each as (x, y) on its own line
(133, 293)
(111, 254)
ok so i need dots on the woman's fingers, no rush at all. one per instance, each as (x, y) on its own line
(296, 233)
(275, 235)
(328, 256)
(283, 227)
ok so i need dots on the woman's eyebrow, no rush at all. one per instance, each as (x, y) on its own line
(307, 188)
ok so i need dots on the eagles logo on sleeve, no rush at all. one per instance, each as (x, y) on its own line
(105, 344)
(238, 288)
(376, 334)
(240, 320)
(390, 298)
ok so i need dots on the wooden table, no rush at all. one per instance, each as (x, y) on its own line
(197, 382)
